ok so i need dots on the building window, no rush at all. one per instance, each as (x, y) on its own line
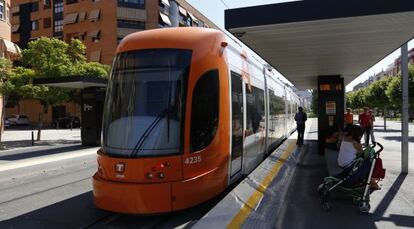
(139, 4)
(135, 2)
(68, 2)
(47, 22)
(164, 20)
(2, 10)
(94, 15)
(58, 25)
(58, 7)
(46, 4)
(95, 35)
(131, 24)
(204, 111)
(35, 6)
(15, 10)
(35, 25)
(15, 28)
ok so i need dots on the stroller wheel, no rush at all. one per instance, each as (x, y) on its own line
(323, 191)
(364, 207)
(320, 188)
(356, 201)
(326, 206)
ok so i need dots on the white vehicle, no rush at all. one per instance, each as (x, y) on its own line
(6, 123)
(19, 120)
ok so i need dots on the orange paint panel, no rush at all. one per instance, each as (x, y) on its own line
(194, 191)
(136, 170)
(132, 198)
(190, 183)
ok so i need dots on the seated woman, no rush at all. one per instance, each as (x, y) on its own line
(350, 146)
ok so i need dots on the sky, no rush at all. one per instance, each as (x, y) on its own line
(214, 10)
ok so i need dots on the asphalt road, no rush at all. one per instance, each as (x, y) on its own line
(54, 191)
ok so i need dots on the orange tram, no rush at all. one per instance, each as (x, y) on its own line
(187, 113)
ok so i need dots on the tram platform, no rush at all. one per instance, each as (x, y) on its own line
(281, 192)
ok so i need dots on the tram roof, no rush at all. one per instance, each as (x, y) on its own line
(307, 39)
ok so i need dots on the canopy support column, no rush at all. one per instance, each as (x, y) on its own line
(404, 123)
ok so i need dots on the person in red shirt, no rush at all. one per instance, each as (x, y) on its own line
(365, 121)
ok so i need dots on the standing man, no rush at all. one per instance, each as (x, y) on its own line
(365, 120)
(300, 119)
(349, 118)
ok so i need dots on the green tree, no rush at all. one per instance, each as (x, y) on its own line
(359, 99)
(91, 69)
(394, 90)
(377, 97)
(5, 86)
(314, 105)
(350, 99)
(76, 51)
(47, 57)
(50, 57)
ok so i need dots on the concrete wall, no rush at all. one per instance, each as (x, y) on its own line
(32, 108)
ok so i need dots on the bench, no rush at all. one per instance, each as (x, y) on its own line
(331, 157)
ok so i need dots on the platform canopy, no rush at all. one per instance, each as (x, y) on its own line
(307, 39)
(74, 82)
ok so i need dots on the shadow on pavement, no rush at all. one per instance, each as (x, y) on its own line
(397, 138)
(71, 213)
(303, 207)
(27, 143)
(80, 212)
(392, 192)
(399, 220)
(387, 131)
(24, 154)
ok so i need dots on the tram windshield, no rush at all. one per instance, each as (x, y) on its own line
(145, 103)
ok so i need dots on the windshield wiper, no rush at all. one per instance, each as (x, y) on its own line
(147, 132)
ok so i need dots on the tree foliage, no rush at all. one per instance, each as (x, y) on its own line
(385, 93)
(50, 57)
(314, 104)
(5, 72)
(47, 57)
(376, 93)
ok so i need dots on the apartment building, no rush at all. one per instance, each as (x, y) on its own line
(7, 49)
(100, 24)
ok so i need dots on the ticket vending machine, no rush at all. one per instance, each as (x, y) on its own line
(331, 102)
(92, 109)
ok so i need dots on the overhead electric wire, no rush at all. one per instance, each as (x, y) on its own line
(224, 3)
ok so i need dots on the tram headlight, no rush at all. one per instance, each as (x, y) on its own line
(161, 175)
(150, 176)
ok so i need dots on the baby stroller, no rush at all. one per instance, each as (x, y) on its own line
(355, 180)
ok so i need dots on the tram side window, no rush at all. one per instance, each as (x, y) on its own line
(255, 110)
(205, 110)
(277, 108)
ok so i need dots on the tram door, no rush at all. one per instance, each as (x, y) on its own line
(237, 123)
